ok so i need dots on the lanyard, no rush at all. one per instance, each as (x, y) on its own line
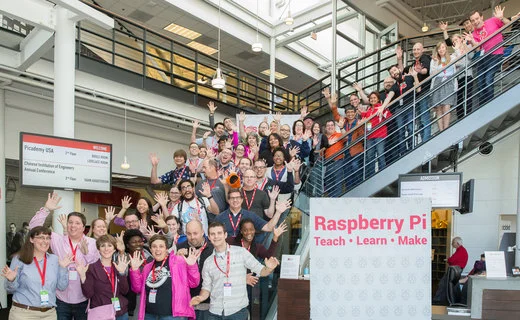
(42, 274)
(401, 87)
(226, 273)
(263, 184)
(153, 270)
(73, 249)
(277, 174)
(111, 278)
(234, 226)
(211, 186)
(179, 176)
(203, 247)
(249, 204)
(248, 248)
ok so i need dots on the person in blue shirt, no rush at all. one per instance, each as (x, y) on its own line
(34, 277)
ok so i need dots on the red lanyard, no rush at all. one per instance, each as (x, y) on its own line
(73, 249)
(249, 204)
(278, 174)
(263, 184)
(144, 258)
(213, 184)
(226, 273)
(401, 87)
(203, 247)
(111, 278)
(176, 239)
(179, 176)
(248, 248)
(153, 271)
(235, 226)
(42, 274)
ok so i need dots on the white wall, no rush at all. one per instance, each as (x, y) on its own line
(496, 192)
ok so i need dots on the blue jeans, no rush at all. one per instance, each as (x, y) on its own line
(149, 316)
(404, 123)
(202, 314)
(375, 145)
(423, 114)
(334, 178)
(122, 317)
(240, 315)
(486, 69)
(351, 169)
(69, 311)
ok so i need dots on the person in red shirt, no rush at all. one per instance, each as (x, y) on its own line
(376, 136)
(458, 260)
(334, 160)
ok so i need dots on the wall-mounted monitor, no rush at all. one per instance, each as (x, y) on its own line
(62, 163)
(445, 189)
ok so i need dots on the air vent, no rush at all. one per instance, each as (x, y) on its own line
(140, 16)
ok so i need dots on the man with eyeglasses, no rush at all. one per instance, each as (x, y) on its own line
(194, 208)
(131, 220)
(210, 170)
(265, 183)
(232, 216)
(256, 200)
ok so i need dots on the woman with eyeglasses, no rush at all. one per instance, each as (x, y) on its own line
(34, 276)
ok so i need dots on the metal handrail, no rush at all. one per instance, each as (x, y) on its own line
(321, 179)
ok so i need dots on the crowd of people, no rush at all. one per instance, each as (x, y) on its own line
(196, 251)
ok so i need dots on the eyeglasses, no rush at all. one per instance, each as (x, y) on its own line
(285, 129)
(131, 221)
(235, 198)
(259, 167)
(44, 238)
(249, 177)
(186, 187)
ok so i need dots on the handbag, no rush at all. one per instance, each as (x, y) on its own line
(104, 312)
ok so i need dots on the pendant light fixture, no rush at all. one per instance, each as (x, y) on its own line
(289, 20)
(218, 81)
(125, 165)
(257, 46)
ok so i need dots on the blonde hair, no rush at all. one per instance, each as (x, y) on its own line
(90, 233)
(436, 52)
(464, 46)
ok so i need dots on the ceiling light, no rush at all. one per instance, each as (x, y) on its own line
(202, 47)
(425, 28)
(277, 75)
(218, 81)
(257, 46)
(182, 31)
(125, 165)
(289, 19)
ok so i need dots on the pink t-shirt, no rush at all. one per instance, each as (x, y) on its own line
(490, 25)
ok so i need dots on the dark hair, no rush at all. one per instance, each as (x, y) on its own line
(79, 215)
(148, 202)
(353, 94)
(184, 181)
(239, 236)
(129, 234)
(334, 123)
(217, 124)
(294, 126)
(106, 238)
(376, 94)
(246, 158)
(180, 153)
(212, 162)
(234, 190)
(131, 213)
(157, 237)
(472, 13)
(283, 151)
(392, 66)
(277, 137)
(26, 253)
(350, 108)
(12, 223)
(25, 224)
(217, 224)
(316, 123)
(168, 218)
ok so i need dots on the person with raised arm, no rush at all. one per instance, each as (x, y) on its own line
(181, 171)
(444, 83)
(164, 283)
(70, 302)
(34, 277)
(217, 188)
(105, 281)
(258, 201)
(224, 276)
(264, 181)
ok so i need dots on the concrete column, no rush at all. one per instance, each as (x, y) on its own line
(517, 251)
(64, 79)
(333, 68)
(3, 216)
(272, 67)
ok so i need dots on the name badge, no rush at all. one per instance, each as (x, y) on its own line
(401, 102)
(152, 296)
(44, 297)
(115, 303)
(369, 126)
(73, 274)
(227, 289)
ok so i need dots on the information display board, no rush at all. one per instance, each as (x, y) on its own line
(370, 258)
(445, 189)
(62, 163)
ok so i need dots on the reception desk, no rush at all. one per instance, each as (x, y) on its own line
(497, 302)
(294, 299)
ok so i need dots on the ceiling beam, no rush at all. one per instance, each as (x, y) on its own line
(34, 12)
(444, 3)
(34, 46)
(349, 39)
(84, 11)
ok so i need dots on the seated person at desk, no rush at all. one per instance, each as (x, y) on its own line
(458, 260)
(479, 268)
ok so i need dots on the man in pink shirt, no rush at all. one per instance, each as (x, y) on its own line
(71, 303)
(489, 64)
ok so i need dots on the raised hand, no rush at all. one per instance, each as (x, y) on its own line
(412, 72)
(161, 198)
(210, 153)
(196, 124)
(271, 263)
(293, 151)
(193, 255)
(212, 107)
(326, 93)
(154, 159)
(267, 132)
(65, 261)
(9, 274)
(52, 202)
(110, 212)
(83, 246)
(499, 12)
(62, 219)
(158, 218)
(205, 190)
(277, 232)
(333, 98)
(304, 112)
(82, 268)
(182, 252)
(278, 117)
(122, 263)
(206, 135)
(341, 122)
(306, 135)
(399, 52)
(120, 244)
(273, 194)
(296, 164)
(281, 206)
(143, 225)
(253, 151)
(242, 116)
(251, 279)
(125, 202)
(136, 260)
(443, 25)
(357, 87)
